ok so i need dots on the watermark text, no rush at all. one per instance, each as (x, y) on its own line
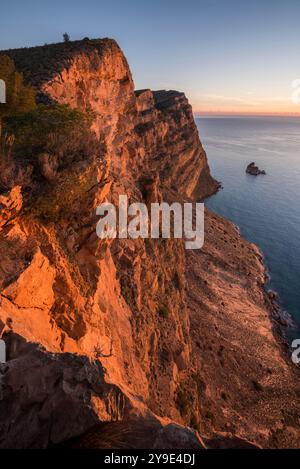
(161, 221)
(2, 92)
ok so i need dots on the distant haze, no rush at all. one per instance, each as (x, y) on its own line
(228, 56)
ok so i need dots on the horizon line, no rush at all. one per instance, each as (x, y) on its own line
(243, 114)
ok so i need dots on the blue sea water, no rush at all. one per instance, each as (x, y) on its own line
(266, 208)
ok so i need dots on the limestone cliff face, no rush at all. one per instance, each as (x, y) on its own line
(125, 334)
(142, 132)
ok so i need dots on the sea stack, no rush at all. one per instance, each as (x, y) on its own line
(254, 170)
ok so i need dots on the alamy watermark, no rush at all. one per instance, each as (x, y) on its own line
(2, 351)
(136, 221)
(296, 352)
(2, 92)
(296, 92)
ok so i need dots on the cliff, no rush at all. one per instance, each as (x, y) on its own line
(131, 342)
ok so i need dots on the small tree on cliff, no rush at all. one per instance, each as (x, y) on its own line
(66, 37)
(19, 97)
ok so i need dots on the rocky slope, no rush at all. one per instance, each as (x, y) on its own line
(108, 336)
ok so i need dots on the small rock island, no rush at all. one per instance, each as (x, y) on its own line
(254, 170)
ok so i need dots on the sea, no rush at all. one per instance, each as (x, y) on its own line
(265, 208)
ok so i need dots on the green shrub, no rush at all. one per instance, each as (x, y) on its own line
(164, 312)
(54, 128)
(6, 146)
(19, 97)
(57, 202)
(7, 167)
(45, 138)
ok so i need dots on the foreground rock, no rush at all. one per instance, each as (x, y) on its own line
(104, 337)
(66, 395)
(254, 170)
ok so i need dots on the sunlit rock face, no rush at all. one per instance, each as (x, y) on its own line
(123, 334)
(142, 131)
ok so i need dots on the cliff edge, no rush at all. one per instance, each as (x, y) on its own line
(131, 343)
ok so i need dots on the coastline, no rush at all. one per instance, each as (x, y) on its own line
(281, 316)
(182, 338)
(282, 319)
(233, 328)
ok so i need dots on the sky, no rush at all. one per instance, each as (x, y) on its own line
(228, 56)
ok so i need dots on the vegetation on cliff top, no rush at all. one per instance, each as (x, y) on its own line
(19, 97)
(56, 129)
(40, 144)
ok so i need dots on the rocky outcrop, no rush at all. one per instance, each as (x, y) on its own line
(122, 334)
(254, 170)
(170, 138)
(10, 205)
(143, 132)
(66, 395)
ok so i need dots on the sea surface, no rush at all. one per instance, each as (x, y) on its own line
(265, 208)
